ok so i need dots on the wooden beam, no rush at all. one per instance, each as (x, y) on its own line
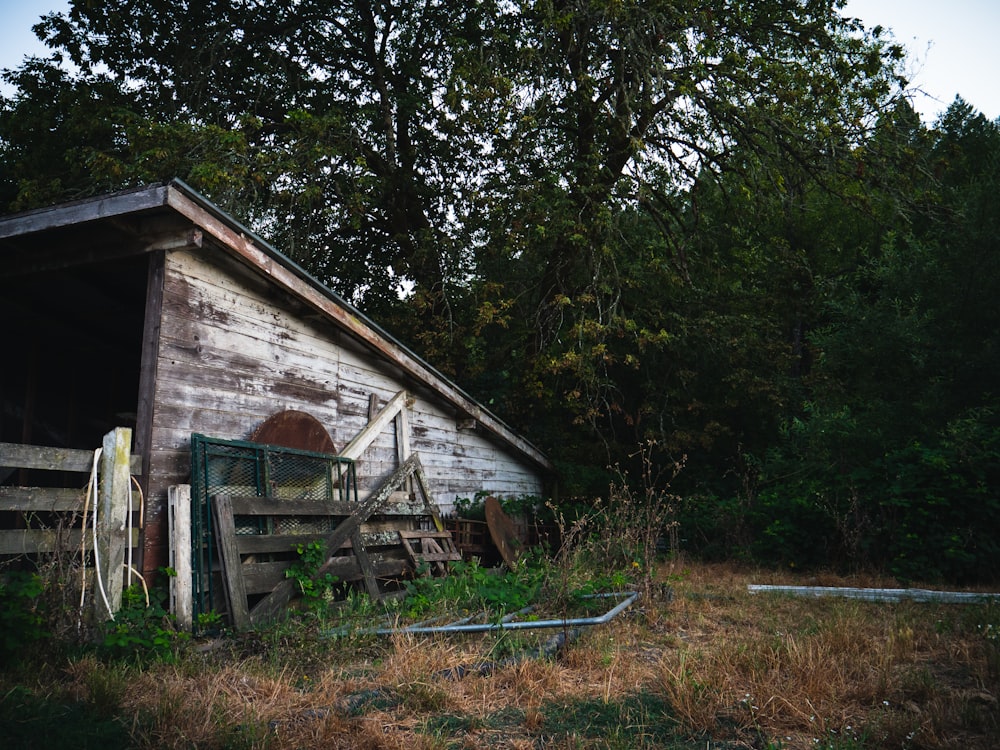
(145, 407)
(245, 505)
(48, 541)
(366, 437)
(232, 564)
(365, 564)
(47, 499)
(78, 213)
(181, 585)
(17, 455)
(114, 501)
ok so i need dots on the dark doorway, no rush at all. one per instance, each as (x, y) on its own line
(70, 354)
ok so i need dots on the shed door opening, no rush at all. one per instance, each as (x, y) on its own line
(70, 362)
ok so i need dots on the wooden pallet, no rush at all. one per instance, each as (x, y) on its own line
(426, 547)
(358, 549)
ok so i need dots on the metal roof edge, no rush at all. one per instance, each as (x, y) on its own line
(83, 210)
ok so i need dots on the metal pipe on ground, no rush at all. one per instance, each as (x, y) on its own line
(506, 624)
(878, 595)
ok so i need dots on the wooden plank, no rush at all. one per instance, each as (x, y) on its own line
(232, 563)
(247, 505)
(77, 213)
(47, 541)
(399, 504)
(260, 578)
(423, 534)
(18, 456)
(145, 406)
(428, 497)
(263, 544)
(48, 500)
(365, 563)
(179, 531)
(270, 606)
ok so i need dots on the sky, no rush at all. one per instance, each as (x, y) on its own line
(950, 44)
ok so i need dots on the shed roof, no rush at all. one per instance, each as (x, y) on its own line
(93, 230)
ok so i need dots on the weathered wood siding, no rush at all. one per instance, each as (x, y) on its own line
(233, 350)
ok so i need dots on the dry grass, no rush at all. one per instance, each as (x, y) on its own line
(715, 667)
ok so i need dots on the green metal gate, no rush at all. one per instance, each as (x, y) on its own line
(241, 469)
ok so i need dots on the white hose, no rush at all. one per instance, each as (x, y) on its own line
(91, 484)
(97, 558)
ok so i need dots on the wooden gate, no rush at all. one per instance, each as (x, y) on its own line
(98, 519)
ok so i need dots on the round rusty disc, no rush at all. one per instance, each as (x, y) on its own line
(294, 429)
(502, 532)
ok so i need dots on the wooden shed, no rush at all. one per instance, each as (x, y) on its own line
(153, 309)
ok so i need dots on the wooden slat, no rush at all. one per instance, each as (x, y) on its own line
(424, 534)
(398, 505)
(272, 506)
(430, 550)
(46, 541)
(365, 563)
(48, 499)
(260, 578)
(262, 544)
(232, 564)
(18, 456)
(367, 436)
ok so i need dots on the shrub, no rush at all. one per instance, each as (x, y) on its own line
(22, 616)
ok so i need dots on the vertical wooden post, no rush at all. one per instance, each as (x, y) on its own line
(402, 424)
(181, 585)
(114, 502)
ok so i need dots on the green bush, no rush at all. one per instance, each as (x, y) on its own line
(925, 511)
(142, 629)
(22, 616)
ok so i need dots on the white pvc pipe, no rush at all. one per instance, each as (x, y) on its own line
(878, 595)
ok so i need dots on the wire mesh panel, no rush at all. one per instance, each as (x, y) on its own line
(243, 469)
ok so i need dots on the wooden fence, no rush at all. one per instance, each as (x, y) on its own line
(100, 527)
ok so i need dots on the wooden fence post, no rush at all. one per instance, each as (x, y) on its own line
(114, 502)
(181, 588)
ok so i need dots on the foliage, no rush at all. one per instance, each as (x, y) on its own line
(21, 621)
(529, 507)
(471, 588)
(142, 629)
(888, 460)
(317, 590)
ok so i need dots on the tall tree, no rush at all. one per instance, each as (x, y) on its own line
(348, 130)
(624, 105)
(891, 457)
